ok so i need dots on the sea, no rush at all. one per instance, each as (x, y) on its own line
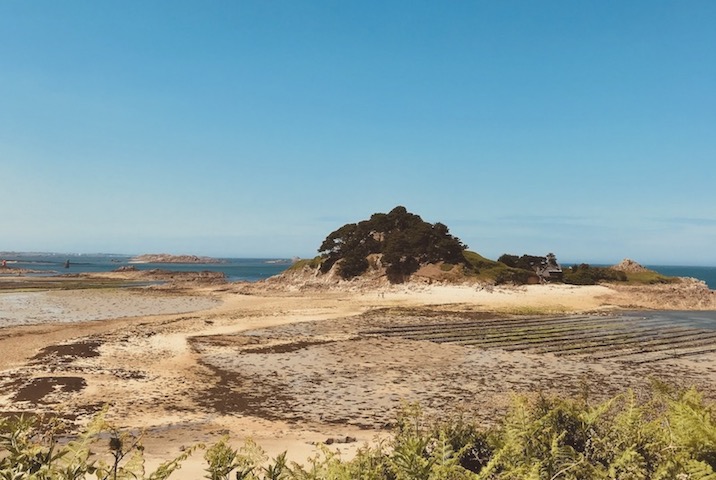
(707, 274)
(235, 269)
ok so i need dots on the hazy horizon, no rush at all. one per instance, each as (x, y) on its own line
(565, 262)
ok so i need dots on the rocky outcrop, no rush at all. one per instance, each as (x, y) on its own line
(307, 278)
(685, 294)
(126, 268)
(162, 276)
(629, 266)
(166, 258)
(204, 276)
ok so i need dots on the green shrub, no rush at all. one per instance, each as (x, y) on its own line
(585, 274)
(649, 277)
(306, 262)
(478, 262)
(669, 435)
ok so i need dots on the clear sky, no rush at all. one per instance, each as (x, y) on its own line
(255, 128)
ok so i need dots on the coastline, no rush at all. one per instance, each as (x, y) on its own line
(291, 366)
(167, 258)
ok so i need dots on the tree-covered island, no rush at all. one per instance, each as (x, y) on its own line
(401, 246)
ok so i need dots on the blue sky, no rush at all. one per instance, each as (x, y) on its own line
(255, 128)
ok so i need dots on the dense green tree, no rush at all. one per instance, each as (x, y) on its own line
(509, 260)
(525, 262)
(403, 238)
(353, 265)
(585, 274)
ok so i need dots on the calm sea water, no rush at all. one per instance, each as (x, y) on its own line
(707, 274)
(235, 269)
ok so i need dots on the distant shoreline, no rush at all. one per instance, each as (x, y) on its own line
(166, 258)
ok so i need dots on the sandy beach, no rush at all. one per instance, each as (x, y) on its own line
(292, 369)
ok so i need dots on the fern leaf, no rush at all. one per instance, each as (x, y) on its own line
(698, 470)
(628, 465)
(167, 468)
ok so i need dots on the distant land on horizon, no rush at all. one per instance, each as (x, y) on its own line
(169, 258)
(706, 273)
(216, 258)
(7, 254)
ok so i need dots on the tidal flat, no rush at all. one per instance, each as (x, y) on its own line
(290, 367)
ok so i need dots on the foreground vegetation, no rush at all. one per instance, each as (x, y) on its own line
(668, 435)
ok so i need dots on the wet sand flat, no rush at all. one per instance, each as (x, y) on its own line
(73, 306)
